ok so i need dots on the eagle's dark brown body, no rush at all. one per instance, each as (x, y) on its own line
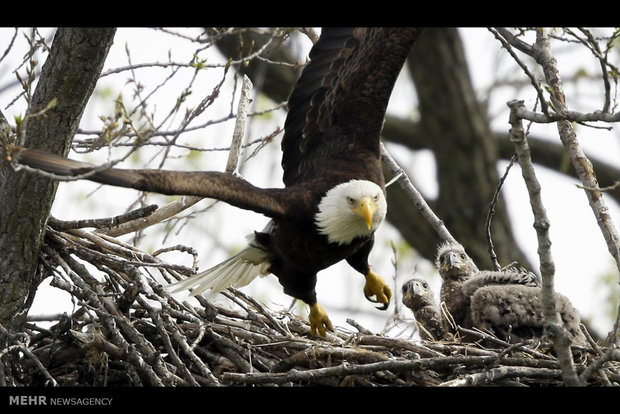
(297, 260)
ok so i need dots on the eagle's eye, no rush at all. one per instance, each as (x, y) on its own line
(350, 200)
(376, 198)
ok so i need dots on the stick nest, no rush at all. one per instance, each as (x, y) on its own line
(126, 330)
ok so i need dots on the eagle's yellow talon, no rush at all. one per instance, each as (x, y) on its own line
(319, 322)
(376, 286)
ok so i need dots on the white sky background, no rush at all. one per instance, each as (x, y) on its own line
(579, 251)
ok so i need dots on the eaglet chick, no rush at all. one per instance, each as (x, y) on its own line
(515, 311)
(461, 279)
(507, 301)
(418, 296)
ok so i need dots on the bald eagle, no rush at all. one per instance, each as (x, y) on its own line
(333, 199)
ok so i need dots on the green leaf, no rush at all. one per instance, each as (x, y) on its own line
(52, 104)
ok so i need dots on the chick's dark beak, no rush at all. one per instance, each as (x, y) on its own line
(452, 260)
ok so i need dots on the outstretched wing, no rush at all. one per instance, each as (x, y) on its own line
(337, 107)
(209, 184)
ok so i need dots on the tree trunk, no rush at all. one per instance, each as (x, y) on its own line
(464, 147)
(69, 76)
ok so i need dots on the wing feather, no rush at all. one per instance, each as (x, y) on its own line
(209, 184)
(341, 98)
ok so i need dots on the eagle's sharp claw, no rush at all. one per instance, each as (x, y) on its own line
(319, 321)
(375, 286)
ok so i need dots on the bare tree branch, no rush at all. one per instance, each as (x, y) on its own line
(185, 202)
(401, 177)
(579, 160)
(559, 335)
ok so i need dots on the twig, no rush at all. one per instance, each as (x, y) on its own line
(232, 164)
(161, 214)
(185, 202)
(567, 115)
(359, 327)
(41, 318)
(508, 40)
(500, 342)
(579, 160)
(204, 65)
(262, 310)
(108, 222)
(165, 337)
(107, 245)
(496, 374)
(558, 334)
(22, 346)
(393, 365)
(392, 343)
(610, 355)
(415, 196)
(601, 189)
(592, 44)
(491, 213)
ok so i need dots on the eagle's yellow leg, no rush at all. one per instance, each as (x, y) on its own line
(376, 286)
(319, 321)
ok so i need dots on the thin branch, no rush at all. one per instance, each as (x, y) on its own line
(10, 46)
(415, 196)
(558, 334)
(491, 213)
(496, 374)
(202, 65)
(578, 158)
(232, 164)
(394, 365)
(610, 355)
(108, 222)
(592, 44)
(600, 189)
(508, 39)
(572, 116)
(185, 202)
(513, 40)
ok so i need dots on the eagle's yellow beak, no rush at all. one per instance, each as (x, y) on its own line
(366, 209)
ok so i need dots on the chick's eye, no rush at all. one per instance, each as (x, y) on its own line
(425, 285)
(462, 255)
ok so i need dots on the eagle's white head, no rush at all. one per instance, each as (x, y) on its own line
(349, 210)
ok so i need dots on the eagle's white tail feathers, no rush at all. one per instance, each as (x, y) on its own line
(237, 271)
